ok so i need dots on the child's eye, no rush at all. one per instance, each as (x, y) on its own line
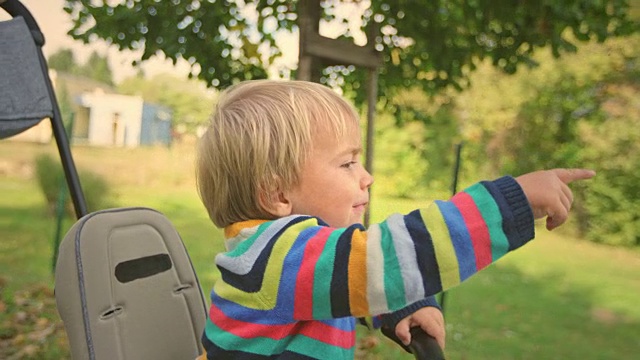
(349, 165)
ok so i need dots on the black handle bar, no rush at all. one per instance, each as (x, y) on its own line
(15, 8)
(424, 346)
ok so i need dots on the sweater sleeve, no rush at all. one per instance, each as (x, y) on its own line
(303, 269)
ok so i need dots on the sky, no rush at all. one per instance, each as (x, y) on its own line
(54, 24)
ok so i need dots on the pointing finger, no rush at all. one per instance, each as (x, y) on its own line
(569, 175)
(566, 197)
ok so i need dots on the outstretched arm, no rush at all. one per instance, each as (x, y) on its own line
(302, 269)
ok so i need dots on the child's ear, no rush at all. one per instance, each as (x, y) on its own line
(275, 203)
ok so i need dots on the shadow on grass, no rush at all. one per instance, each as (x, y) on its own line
(27, 242)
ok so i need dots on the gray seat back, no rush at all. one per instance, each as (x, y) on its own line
(126, 288)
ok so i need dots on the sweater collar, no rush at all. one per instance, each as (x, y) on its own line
(237, 232)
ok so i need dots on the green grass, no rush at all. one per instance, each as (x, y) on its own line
(558, 298)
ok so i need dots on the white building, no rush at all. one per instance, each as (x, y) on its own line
(108, 119)
(102, 117)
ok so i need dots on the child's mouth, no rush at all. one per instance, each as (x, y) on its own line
(360, 207)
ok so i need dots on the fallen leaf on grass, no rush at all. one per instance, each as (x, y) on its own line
(27, 351)
(41, 335)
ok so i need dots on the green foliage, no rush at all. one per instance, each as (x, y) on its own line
(63, 60)
(431, 45)
(190, 102)
(414, 146)
(96, 68)
(558, 108)
(50, 176)
(612, 202)
(65, 102)
(583, 112)
(399, 169)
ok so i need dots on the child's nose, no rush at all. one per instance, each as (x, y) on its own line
(366, 180)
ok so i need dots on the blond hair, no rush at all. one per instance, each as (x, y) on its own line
(258, 139)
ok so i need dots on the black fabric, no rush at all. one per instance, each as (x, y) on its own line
(143, 267)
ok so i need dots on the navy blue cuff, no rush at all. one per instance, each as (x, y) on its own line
(392, 319)
(389, 321)
(519, 205)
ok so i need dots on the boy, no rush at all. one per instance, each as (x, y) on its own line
(278, 169)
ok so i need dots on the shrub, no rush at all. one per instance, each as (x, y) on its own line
(50, 176)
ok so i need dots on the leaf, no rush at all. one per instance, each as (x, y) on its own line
(446, 36)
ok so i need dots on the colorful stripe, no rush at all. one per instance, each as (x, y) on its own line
(306, 276)
(393, 289)
(317, 330)
(286, 300)
(425, 252)
(233, 230)
(339, 286)
(291, 287)
(375, 274)
(326, 261)
(476, 228)
(226, 341)
(492, 217)
(263, 294)
(460, 239)
(442, 243)
(358, 275)
(406, 253)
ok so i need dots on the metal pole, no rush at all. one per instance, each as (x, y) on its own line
(454, 190)
(309, 22)
(372, 97)
(64, 149)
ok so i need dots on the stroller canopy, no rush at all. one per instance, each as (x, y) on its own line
(24, 100)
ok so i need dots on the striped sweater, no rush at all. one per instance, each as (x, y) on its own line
(290, 288)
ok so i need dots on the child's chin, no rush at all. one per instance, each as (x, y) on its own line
(358, 219)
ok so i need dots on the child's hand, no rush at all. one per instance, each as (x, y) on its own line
(548, 193)
(429, 318)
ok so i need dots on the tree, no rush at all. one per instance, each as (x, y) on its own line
(190, 103)
(579, 111)
(63, 60)
(97, 68)
(428, 44)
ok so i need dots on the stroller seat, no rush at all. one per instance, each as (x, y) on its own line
(126, 288)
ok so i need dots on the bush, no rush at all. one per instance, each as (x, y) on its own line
(50, 177)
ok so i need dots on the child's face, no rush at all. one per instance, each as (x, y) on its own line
(334, 185)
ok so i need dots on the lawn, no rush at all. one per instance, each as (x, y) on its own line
(558, 298)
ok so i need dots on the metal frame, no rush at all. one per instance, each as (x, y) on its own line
(15, 8)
